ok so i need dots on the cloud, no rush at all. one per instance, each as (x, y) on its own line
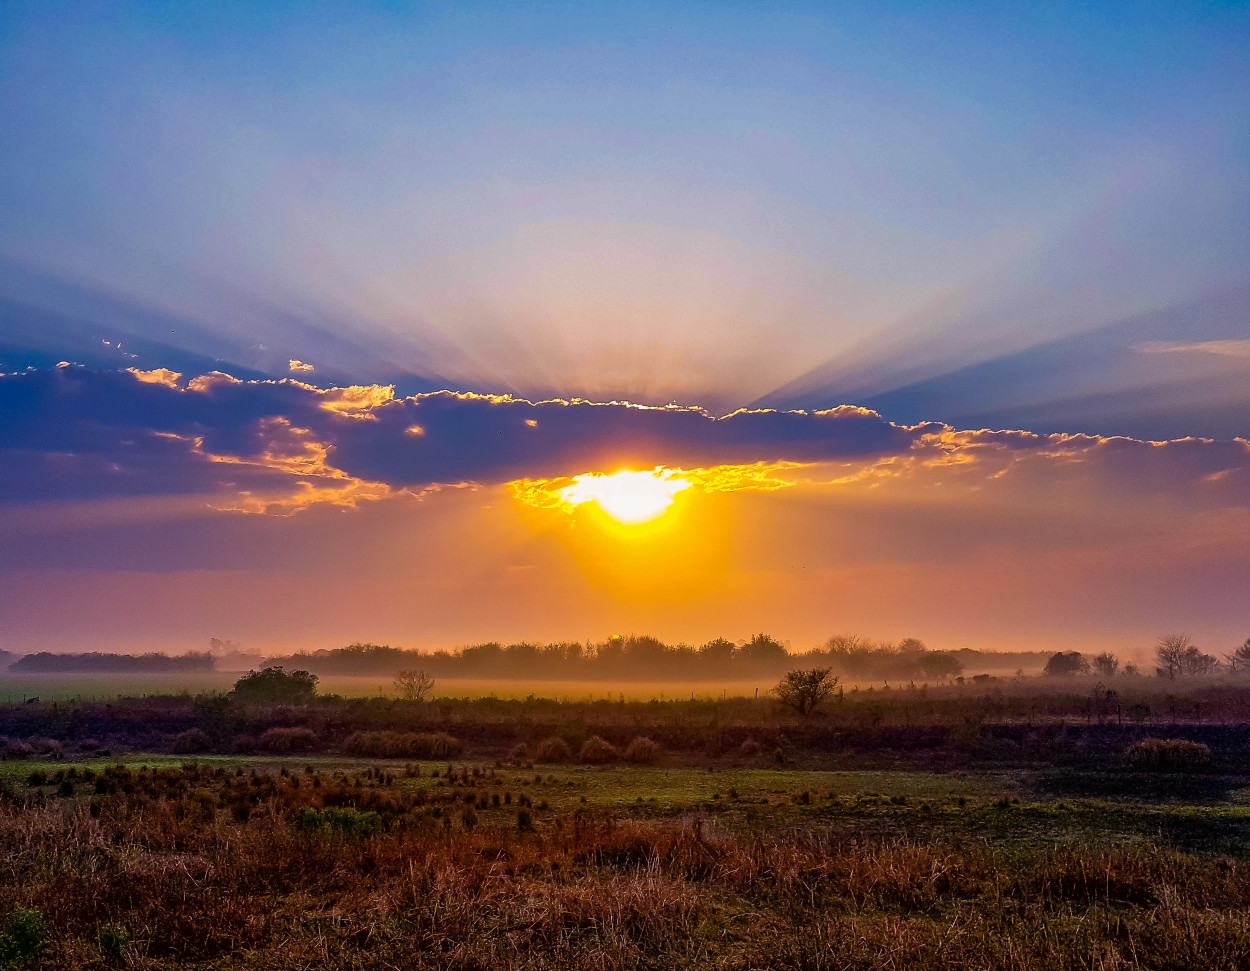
(1222, 348)
(282, 445)
(554, 493)
(300, 367)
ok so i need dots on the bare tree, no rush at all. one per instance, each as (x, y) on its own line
(1107, 664)
(413, 685)
(805, 690)
(1239, 659)
(1170, 652)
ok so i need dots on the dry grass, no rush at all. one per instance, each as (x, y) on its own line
(170, 858)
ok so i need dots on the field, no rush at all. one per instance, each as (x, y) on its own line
(303, 862)
(15, 688)
(877, 834)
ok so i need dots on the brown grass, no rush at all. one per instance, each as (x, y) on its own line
(170, 857)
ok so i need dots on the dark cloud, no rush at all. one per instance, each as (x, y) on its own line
(73, 432)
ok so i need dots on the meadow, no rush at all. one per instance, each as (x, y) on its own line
(296, 862)
(15, 688)
(975, 826)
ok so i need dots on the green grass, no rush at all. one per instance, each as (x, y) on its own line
(1007, 810)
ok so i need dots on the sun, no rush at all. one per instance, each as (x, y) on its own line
(628, 497)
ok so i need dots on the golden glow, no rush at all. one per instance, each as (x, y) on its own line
(628, 497)
(631, 498)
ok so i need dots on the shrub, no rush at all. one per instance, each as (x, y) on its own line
(273, 685)
(49, 748)
(520, 753)
(13, 749)
(191, 741)
(1169, 753)
(288, 740)
(805, 691)
(750, 747)
(642, 750)
(23, 936)
(244, 743)
(343, 820)
(113, 940)
(412, 745)
(596, 751)
(553, 749)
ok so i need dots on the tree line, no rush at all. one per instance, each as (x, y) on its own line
(98, 662)
(642, 657)
(1176, 655)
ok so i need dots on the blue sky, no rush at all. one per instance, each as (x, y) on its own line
(716, 204)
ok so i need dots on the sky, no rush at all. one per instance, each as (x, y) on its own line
(323, 323)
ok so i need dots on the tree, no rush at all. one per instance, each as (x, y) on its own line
(1066, 664)
(1240, 658)
(939, 664)
(763, 648)
(1196, 662)
(1170, 652)
(720, 650)
(413, 685)
(844, 645)
(276, 686)
(805, 690)
(1107, 664)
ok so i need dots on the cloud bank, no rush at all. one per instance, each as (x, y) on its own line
(74, 433)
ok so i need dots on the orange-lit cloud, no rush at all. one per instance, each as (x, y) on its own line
(83, 433)
(156, 376)
(635, 496)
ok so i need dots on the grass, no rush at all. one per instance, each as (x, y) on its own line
(645, 867)
(866, 837)
(15, 688)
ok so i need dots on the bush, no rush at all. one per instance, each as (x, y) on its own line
(16, 750)
(288, 740)
(1169, 753)
(343, 820)
(642, 750)
(23, 936)
(411, 745)
(191, 741)
(113, 940)
(596, 751)
(553, 749)
(49, 748)
(244, 743)
(273, 685)
(750, 748)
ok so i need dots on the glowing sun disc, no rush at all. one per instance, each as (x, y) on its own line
(628, 497)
